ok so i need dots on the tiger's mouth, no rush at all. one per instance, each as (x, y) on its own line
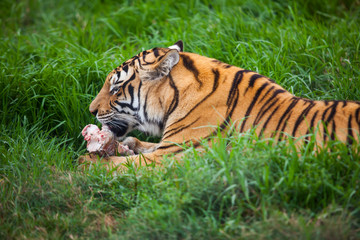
(119, 128)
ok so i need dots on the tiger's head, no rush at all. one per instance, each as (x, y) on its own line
(126, 100)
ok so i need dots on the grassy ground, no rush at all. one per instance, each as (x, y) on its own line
(54, 56)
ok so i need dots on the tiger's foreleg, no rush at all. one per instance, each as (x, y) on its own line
(139, 146)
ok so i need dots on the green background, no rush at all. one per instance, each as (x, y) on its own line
(54, 57)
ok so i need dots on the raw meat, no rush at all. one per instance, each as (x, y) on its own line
(103, 141)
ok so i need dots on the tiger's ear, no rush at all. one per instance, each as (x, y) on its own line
(179, 45)
(161, 68)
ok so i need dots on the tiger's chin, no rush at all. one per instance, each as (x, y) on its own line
(120, 129)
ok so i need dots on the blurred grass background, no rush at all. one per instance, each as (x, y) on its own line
(54, 57)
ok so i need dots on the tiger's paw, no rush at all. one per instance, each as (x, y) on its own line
(86, 160)
(91, 157)
(124, 150)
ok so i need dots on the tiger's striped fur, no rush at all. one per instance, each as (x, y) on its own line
(180, 96)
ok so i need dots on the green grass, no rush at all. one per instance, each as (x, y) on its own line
(54, 57)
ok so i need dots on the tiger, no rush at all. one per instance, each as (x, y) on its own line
(180, 97)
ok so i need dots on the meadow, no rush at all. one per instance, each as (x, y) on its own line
(54, 57)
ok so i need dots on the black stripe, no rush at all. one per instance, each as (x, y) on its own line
(216, 61)
(160, 124)
(156, 52)
(233, 97)
(344, 103)
(160, 103)
(350, 136)
(283, 128)
(267, 121)
(252, 80)
(161, 57)
(302, 117)
(125, 105)
(329, 118)
(333, 130)
(271, 80)
(125, 68)
(131, 92)
(167, 130)
(132, 77)
(143, 56)
(333, 111)
(195, 145)
(113, 107)
(248, 111)
(148, 63)
(128, 81)
(176, 130)
(140, 64)
(117, 110)
(313, 120)
(324, 114)
(258, 117)
(139, 89)
(215, 86)
(216, 79)
(145, 106)
(287, 111)
(234, 87)
(189, 65)
(169, 146)
(311, 127)
(224, 123)
(358, 118)
(357, 113)
(270, 89)
(124, 85)
(174, 103)
(262, 112)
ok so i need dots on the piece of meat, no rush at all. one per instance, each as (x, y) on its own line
(103, 141)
